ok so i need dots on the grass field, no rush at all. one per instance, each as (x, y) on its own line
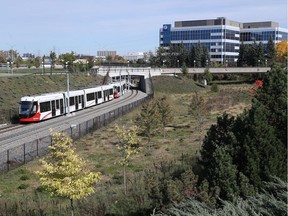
(13, 88)
(182, 139)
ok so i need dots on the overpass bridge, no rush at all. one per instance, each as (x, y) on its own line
(226, 70)
(147, 71)
(142, 74)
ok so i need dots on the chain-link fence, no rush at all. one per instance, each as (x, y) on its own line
(25, 152)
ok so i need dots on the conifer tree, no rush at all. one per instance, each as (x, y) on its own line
(271, 51)
(64, 173)
(148, 120)
(197, 110)
(198, 55)
(165, 112)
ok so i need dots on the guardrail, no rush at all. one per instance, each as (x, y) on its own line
(26, 152)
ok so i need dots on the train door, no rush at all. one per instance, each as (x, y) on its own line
(76, 103)
(105, 94)
(82, 101)
(53, 108)
(61, 107)
(96, 98)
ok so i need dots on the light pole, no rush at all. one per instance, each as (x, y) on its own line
(68, 95)
(178, 63)
(206, 62)
(266, 62)
(194, 63)
(258, 62)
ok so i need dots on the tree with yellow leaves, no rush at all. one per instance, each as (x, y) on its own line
(282, 50)
(128, 146)
(64, 173)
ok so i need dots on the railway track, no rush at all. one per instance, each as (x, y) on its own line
(11, 136)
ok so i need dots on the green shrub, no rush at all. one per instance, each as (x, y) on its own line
(24, 177)
(214, 88)
(23, 186)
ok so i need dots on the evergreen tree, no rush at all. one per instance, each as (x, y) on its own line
(218, 135)
(198, 55)
(256, 141)
(224, 173)
(242, 57)
(165, 112)
(253, 57)
(271, 51)
(260, 54)
(205, 57)
(207, 75)
(184, 69)
(148, 120)
(191, 56)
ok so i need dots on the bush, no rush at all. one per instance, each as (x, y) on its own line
(24, 177)
(23, 186)
(214, 88)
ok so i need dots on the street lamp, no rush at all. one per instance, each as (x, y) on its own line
(178, 62)
(206, 62)
(258, 62)
(266, 62)
(68, 95)
(226, 62)
(194, 63)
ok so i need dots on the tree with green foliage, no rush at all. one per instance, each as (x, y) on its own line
(205, 59)
(271, 51)
(197, 110)
(53, 58)
(255, 141)
(128, 146)
(184, 69)
(207, 75)
(271, 201)
(64, 173)
(148, 120)
(165, 112)
(260, 54)
(68, 59)
(198, 55)
(242, 57)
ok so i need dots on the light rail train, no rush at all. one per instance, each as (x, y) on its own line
(46, 106)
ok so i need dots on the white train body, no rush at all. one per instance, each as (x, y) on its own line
(42, 107)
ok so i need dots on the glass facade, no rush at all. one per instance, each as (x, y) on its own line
(248, 36)
(222, 40)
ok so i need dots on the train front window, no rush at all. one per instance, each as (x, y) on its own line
(25, 107)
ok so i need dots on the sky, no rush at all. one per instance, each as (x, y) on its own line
(125, 26)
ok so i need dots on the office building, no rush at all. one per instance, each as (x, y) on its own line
(221, 36)
(106, 53)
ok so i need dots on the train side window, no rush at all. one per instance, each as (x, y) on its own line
(57, 104)
(110, 91)
(99, 94)
(34, 109)
(90, 96)
(72, 101)
(45, 106)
